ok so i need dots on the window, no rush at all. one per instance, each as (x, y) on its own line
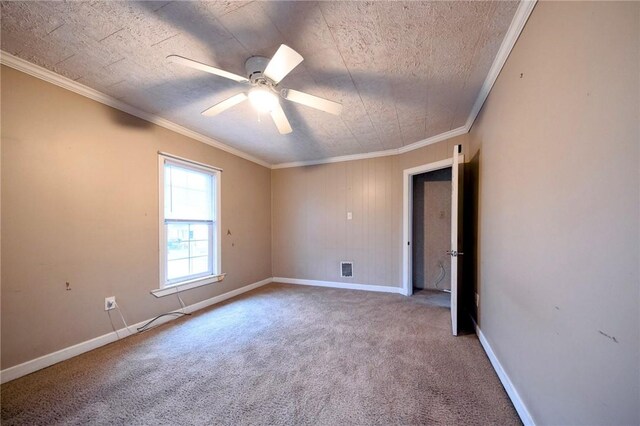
(189, 223)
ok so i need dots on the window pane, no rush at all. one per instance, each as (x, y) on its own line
(177, 269)
(177, 175)
(199, 248)
(188, 194)
(189, 249)
(200, 231)
(199, 265)
(177, 250)
(177, 241)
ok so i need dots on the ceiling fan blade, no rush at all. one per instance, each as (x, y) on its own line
(224, 105)
(281, 120)
(206, 68)
(282, 63)
(312, 101)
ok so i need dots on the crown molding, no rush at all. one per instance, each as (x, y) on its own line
(66, 83)
(339, 159)
(515, 28)
(434, 139)
(407, 148)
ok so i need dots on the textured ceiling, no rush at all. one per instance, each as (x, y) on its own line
(404, 71)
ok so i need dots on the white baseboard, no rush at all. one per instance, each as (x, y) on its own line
(335, 284)
(522, 410)
(227, 295)
(44, 361)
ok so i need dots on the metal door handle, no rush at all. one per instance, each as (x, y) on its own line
(454, 253)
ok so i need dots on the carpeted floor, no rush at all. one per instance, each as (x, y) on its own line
(281, 354)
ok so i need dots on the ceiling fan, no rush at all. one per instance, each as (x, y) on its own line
(264, 76)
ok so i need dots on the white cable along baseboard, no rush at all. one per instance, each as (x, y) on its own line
(44, 361)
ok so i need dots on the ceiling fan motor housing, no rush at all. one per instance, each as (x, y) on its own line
(255, 67)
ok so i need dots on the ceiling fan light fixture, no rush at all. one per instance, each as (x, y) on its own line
(263, 99)
(264, 75)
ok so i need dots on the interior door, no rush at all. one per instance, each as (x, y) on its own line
(457, 179)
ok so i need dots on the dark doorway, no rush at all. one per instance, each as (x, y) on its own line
(431, 234)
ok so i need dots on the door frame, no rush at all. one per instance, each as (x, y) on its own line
(407, 209)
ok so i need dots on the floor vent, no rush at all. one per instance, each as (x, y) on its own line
(346, 269)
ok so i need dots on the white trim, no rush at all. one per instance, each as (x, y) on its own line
(340, 159)
(335, 284)
(456, 182)
(519, 405)
(429, 167)
(228, 295)
(511, 36)
(162, 235)
(187, 285)
(186, 160)
(407, 190)
(434, 139)
(396, 151)
(44, 361)
(216, 243)
(66, 83)
(515, 28)
(218, 212)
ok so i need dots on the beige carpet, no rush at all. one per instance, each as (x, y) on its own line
(281, 354)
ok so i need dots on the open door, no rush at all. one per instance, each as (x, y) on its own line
(457, 179)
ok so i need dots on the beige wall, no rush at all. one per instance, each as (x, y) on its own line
(311, 233)
(80, 204)
(557, 146)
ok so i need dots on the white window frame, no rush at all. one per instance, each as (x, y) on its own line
(166, 287)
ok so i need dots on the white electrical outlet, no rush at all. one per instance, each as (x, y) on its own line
(109, 303)
(349, 215)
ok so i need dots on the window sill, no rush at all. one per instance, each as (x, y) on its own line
(187, 285)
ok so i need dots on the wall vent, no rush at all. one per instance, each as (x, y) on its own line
(346, 269)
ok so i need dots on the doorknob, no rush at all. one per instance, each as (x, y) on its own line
(454, 253)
